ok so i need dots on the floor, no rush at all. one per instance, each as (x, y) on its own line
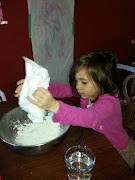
(131, 134)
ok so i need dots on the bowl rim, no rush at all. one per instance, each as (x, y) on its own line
(29, 146)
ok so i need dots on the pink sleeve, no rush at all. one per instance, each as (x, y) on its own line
(104, 116)
(103, 109)
(59, 90)
(75, 116)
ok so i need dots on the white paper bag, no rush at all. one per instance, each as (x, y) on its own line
(36, 76)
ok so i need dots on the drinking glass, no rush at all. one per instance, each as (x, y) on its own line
(79, 162)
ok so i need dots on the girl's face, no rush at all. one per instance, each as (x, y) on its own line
(86, 88)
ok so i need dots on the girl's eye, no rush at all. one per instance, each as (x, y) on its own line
(84, 82)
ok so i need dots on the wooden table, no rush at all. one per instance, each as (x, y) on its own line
(109, 164)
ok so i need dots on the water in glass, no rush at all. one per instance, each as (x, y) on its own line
(79, 166)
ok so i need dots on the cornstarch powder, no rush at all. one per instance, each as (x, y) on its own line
(37, 133)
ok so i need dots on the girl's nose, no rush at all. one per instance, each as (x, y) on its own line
(77, 86)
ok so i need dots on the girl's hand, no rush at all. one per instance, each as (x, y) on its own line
(18, 89)
(45, 100)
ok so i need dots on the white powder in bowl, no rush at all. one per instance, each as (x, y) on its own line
(37, 133)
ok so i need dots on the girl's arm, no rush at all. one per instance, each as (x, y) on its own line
(63, 113)
(75, 116)
(105, 110)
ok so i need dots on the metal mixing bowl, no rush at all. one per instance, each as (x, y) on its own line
(8, 133)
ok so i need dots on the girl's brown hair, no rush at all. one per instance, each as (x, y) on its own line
(101, 67)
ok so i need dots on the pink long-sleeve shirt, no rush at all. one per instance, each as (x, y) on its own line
(103, 116)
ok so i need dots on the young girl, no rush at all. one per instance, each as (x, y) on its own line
(93, 78)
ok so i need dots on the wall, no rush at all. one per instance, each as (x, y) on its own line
(14, 43)
(104, 25)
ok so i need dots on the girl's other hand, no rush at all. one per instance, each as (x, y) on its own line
(18, 89)
(45, 100)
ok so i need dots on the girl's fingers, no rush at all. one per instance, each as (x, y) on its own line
(37, 103)
(39, 97)
(43, 90)
(18, 89)
(32, 101)
(16, 95)
(20, 82)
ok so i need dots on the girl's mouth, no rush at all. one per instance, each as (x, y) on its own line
(80, 94)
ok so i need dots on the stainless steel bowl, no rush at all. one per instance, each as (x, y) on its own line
(8, 134)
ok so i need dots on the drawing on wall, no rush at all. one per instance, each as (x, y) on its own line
(51, 35)
(52, 12)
